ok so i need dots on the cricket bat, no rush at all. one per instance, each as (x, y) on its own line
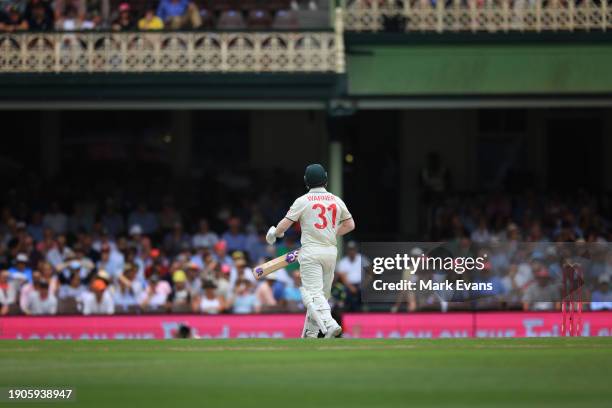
(275, 264)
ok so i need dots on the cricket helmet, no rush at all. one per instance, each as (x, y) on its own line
(315, 176)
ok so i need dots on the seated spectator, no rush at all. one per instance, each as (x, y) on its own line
(193, 280)
(128, 288)
(21, 270)
(541, 294)
(220, 254)
(220, 277)
(40, 301)
(98, 300)
(39, 15)
(35, 228)
(243, 300)
(8, 294)
(601, 299)
(257, 247)
(265, 294)
(155, 296)
(111, 261)
(176, 240)
(48, 273)
(204, 238)
(124, 22)
(235, 239)
(150, 21)
(55, 219)
(240, 271)
(57, 250)
(180, 299)
(177, 14)
(292, 294)
(68, 269)
(112, 221)
(146, 219)
(74, 289)
(13, 20)
(209, 302)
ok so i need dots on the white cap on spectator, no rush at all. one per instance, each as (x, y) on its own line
(604, 279)
(22, 258)
(135, 229)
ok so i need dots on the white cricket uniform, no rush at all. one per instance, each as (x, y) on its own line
(319, 214)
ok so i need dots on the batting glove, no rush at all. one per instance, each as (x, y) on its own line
(271, 235)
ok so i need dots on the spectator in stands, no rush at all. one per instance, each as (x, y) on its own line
(209, 302)
(75, 266)
(601, 299)
(48, 273)
(98, 300)
(127, 289)
(168, 216)
(35, 228)
(21, 270)
(177, 14)
(234, 237)
(112, 221)
(221, 280)
(39, 15)
(111, 261)
(8, 294)
(193, 280)
(243, 300)
(149, 20)
(80, 220)
(541, 294)
(240, 270)
(55, 219)
(180, 299)
(292, 295)
(13, 20)
(146, 219)
(124, 22)
(176, 240)
(40, 301)
(155, 296)
(265, 294)
(74, 289)
(349, 271)
(258, 248)
(204, 238)
(220, 254)
(481, 234)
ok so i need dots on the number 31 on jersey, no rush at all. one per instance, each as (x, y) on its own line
(323, 211)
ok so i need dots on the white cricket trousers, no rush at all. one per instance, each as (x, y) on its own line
(317, 266)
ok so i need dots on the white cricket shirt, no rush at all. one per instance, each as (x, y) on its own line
(319, 213)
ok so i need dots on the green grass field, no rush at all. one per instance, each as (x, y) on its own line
(553, 372)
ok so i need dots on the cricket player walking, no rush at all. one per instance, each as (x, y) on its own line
(322, 217)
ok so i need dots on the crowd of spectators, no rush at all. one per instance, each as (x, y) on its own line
(80, 255)
(72, 15)
(104, 262)
(525, 236)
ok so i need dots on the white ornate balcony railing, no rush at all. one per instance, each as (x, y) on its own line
(89, 52)
(479, 15)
